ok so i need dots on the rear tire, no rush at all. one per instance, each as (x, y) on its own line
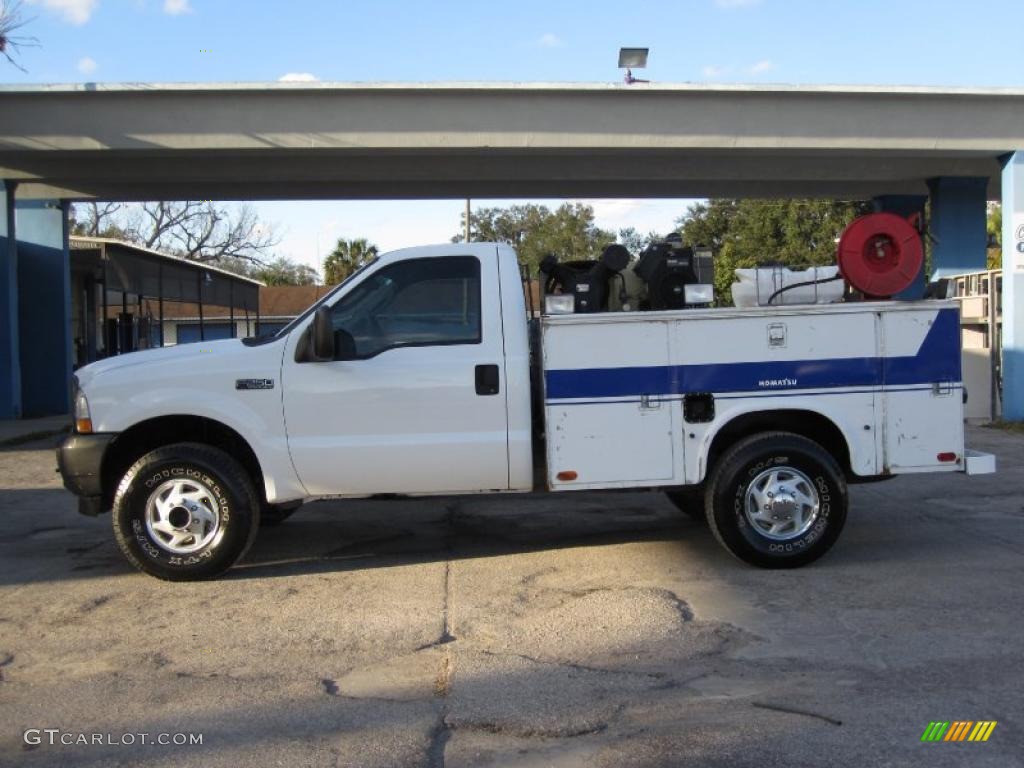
(777, 500)
(185, 512)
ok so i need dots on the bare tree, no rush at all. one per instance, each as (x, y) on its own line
(99, 219)
(11, 21)
(200, 230)
(205, 232)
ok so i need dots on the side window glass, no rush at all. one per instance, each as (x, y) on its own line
(420, 302)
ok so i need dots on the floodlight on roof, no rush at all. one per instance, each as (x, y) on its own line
(633, 58)
(630, 58)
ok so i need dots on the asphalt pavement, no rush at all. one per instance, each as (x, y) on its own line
(552, 630)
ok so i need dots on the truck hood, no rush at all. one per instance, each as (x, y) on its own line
(138, 364)
(226, 380)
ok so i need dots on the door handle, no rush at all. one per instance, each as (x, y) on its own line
(487, 380)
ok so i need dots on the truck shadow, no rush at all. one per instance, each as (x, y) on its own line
(347, 535)
(44, 538)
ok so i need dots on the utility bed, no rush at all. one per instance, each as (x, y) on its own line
(637, 399)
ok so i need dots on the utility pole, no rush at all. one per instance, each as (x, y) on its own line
(467, 220)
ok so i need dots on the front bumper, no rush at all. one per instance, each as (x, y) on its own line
(79, 460)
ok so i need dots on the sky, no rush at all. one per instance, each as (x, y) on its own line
(885, 42)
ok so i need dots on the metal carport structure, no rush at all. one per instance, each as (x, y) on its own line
(106, 272)
(899, 146)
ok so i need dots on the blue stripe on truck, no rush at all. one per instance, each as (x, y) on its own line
(937, 360)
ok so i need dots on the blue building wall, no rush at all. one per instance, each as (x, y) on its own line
(10, 359)
(35, 308)
(44, 307)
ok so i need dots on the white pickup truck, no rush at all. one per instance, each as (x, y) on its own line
(416, 376)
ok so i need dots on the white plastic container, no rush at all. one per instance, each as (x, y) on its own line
(754, 287)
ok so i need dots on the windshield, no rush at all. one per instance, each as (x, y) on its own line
(264, 338)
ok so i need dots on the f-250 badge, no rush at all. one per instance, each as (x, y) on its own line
(254, 383)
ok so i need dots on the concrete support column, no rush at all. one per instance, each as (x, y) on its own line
(905, 206)
(1013, 287)
(44, 306)
(10, 365)
(958, 225)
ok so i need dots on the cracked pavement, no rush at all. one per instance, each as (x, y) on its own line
(551, 630)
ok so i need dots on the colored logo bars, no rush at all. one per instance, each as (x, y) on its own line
(958, 730)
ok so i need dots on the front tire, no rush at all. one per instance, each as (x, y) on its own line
(185, 512)
(777, 500)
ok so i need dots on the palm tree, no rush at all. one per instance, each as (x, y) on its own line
(346, 258)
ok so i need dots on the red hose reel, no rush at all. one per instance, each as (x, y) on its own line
(880, 254)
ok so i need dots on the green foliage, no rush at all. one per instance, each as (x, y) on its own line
(745, 233)
(635, 242)
(346, 258)
(111, 230)
(535, 231)
(282, 271)
(994, 227)
(279, 271)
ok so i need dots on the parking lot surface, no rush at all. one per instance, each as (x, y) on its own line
(561, 630)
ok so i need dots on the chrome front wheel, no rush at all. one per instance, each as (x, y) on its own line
(182, 516)
(185, 511)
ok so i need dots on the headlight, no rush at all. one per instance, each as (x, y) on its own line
(83, 419)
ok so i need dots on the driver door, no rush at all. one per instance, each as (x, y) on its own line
(407, 413)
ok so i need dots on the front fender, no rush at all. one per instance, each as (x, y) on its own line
(256, 417)
(206, 380)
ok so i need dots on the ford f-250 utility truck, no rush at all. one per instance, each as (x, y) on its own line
(414, 377)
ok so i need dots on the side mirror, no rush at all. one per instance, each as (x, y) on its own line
(321, 336)
(344, 345)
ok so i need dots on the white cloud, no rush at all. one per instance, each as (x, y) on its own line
(612, 209)
(713, 71)
(762, 66)
(549, 40)
(647, 215)
(298, 77)
(72, 11)
(177, 7)
(736, 3)
(87, 65)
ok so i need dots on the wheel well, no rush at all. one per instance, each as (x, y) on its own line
(139, 439)
(809, 424)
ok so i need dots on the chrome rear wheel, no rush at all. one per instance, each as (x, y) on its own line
(782, 503)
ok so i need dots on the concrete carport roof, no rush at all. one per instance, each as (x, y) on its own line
(902, 146)
(327, 140)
